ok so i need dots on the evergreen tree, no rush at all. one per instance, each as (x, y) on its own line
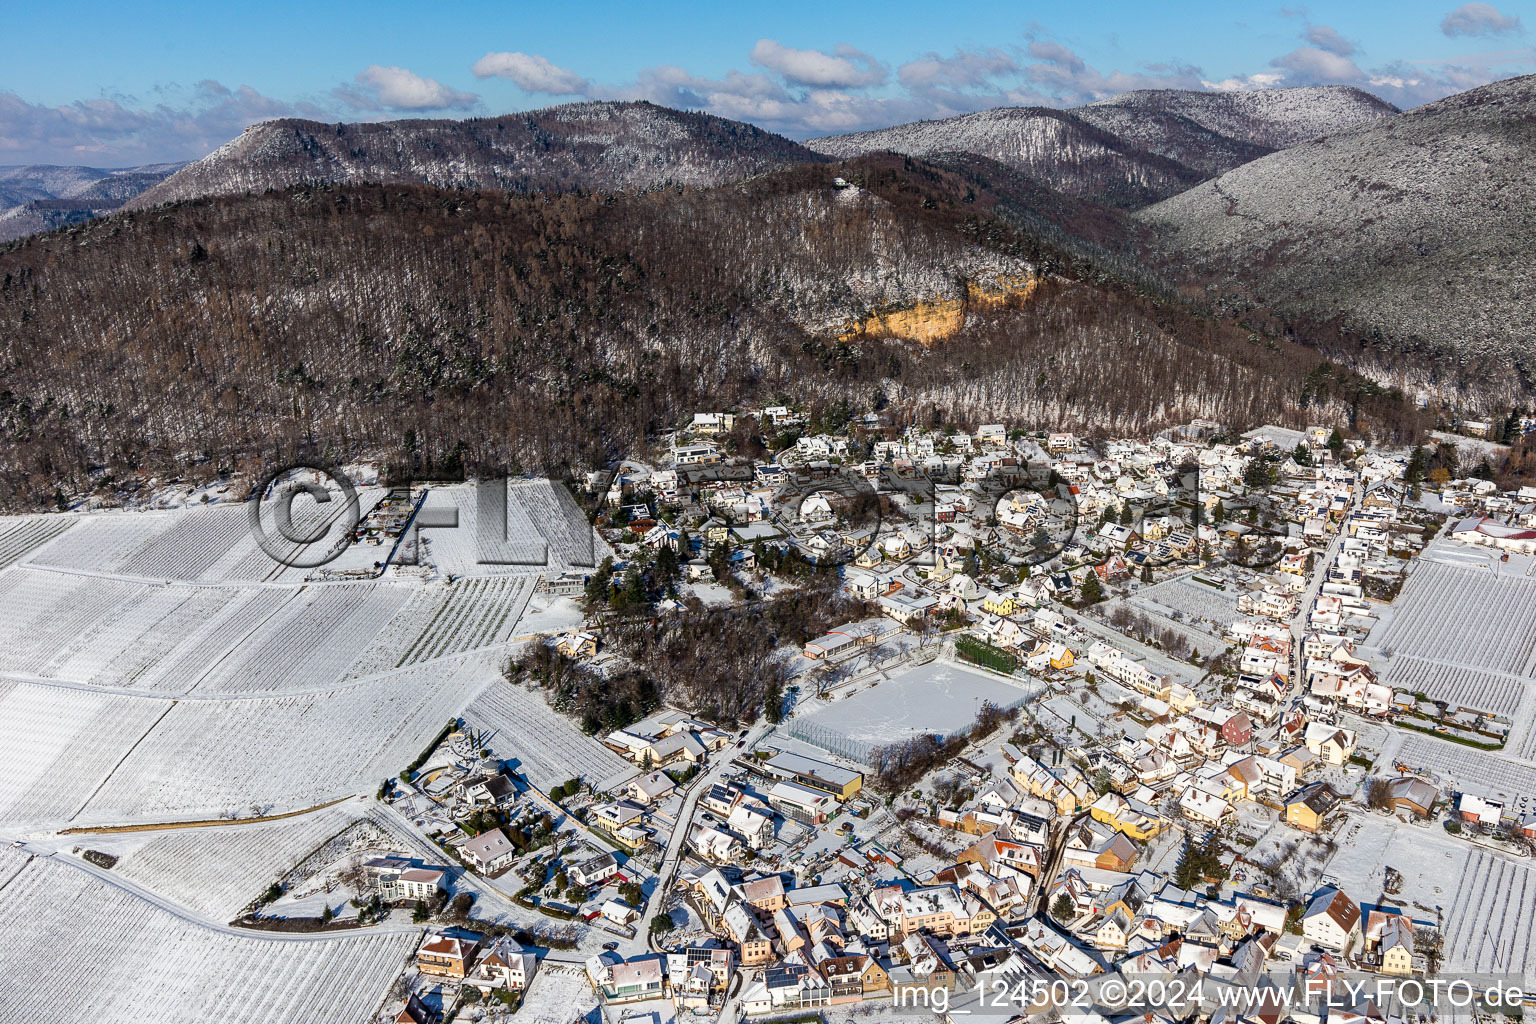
(1062, 907)
(1336, 441)
(1092, 590)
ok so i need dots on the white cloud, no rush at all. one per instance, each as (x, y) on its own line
(1326, 38)
(1260, 80)
(1479, 19)
(120, 131)
(843, 68)
(531, 73)
(962, 71)
(1312, 66)
(390, 88)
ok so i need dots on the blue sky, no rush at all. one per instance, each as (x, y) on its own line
(112, 84)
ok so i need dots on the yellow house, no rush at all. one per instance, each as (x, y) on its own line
(1000, 604)
(1307, 808)
(1181, 699)
(1062, 658)
(1397, 959)
(1114, 810)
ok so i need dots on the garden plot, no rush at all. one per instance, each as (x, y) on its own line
(1456, 684)
(208, 758)
(940, 697)
(477, 612)
(1471, 771)
(1429, 861)
(218, 870)
(1466, 617)
(548, 747)
(1195, 600)
(96, 953)
(57, 745)
(310, 642)
(1490, 925)
(41, 612)
(22, 534)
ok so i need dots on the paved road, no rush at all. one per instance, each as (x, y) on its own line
(1304, 606)
(676, 844)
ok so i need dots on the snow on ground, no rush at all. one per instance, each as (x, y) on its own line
(940, 697)
(207, 758)
(1431, 862)
(1490, 924)
(127, 960)
(547, 746)
(219, 869)
(559, 993)
(544, 530)
(1464, 769)
(20, 534)
(57, 745)
(546, 614)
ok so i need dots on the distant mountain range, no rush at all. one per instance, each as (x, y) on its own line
(1134, 149)
(41, 197)
(1407, 244)
(545, 289)
(579, 145)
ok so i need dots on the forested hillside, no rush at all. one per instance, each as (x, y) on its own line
(466, 329)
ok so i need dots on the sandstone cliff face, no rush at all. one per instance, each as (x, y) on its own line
(930, 321)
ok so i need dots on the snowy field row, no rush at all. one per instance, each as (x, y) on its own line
(310, 642)
(544, 531)
(1195, 600)
(207, 759)
(1464, 616)
(57, 745)
(1491, 924)
(209, 544)
(474, 613)
(143, 963)
(21, 534)
(41, 613)
(1456, 684)
(1474, 771)
(181, 638)
(548, 747)
(218, 870)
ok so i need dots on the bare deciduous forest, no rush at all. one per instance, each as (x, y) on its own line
(463, 330)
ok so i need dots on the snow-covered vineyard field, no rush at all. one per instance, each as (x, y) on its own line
(544, 530)
(209, 544)
(207, 758)
(548, 746)
(22, 534)
(1491, 923)
(57, 745)
(218, 870)
(1471, 771)
(475, 613)
(315, 636)
(1194, 600)
(144, 963)
(1464, 616)
(1456, 684)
